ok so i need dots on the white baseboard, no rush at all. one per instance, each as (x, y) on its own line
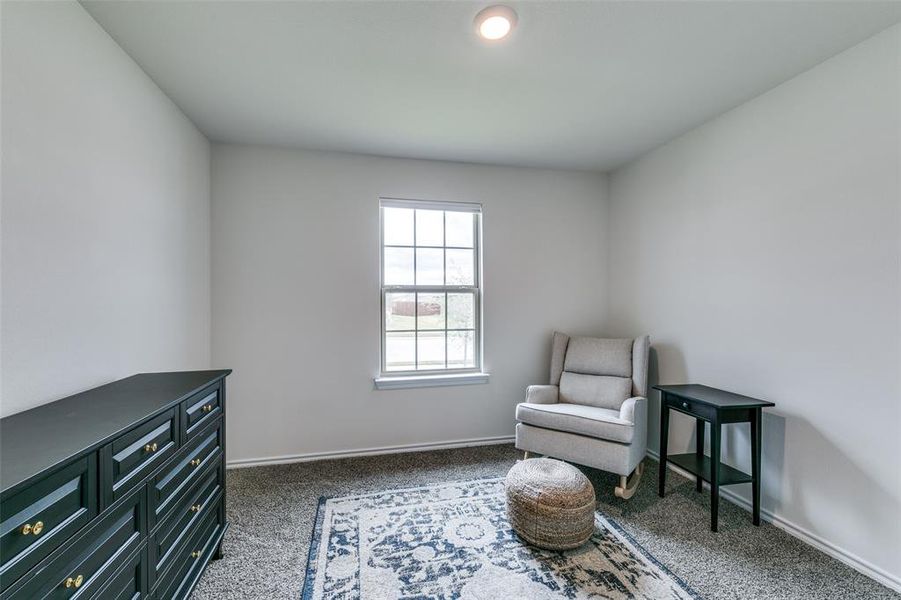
(311, 456)
(808, 537)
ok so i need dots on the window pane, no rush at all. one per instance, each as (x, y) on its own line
(461, 350)
(431, 311)
(400, 351)
(398, 223)
(429, 227)
(431, 350)
(398, 266)
(460, 267)
(429, 266)
(400, 312)
(461, 311)
(428, 325)
(458, 228)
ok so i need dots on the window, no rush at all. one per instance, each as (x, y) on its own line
(431, 288)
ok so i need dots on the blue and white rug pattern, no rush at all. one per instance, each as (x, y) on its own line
(453, 541)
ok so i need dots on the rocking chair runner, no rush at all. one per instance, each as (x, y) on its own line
(594, 412)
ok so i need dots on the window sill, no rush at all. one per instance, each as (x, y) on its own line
(419, 381)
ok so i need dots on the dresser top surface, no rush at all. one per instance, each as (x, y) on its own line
(40, 438)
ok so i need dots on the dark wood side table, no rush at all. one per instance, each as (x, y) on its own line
(717, 407)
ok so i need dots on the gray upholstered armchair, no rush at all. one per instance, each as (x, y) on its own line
(594, 412)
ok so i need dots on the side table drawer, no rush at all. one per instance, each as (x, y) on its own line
(35, 521)
(696, 409)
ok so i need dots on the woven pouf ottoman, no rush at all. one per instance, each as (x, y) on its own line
(550, 504)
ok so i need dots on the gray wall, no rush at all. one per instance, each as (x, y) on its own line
(296, 294)
(761, 251)
(105, 213)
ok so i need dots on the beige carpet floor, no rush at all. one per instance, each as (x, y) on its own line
(272, 509)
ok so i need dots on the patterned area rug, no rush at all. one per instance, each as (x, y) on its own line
(453, 541)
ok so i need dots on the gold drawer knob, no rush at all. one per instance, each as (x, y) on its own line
(195, 554)
(195, 462)
(150, 447)
(207, 408)
(35, 529)
(74, 582)
(195, 508)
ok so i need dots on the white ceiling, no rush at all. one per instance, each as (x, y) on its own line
(585, 85)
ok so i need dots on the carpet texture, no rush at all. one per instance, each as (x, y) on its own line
(272, 512)
(453, 540)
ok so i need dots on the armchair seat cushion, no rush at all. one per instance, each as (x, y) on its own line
(593, 421)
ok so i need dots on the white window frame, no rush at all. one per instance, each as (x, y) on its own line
(446, 376)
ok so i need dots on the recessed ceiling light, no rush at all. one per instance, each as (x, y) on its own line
(495, 22)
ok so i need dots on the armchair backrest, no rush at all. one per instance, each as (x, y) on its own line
(600, 372)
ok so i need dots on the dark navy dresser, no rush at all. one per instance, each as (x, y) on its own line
(117, 492)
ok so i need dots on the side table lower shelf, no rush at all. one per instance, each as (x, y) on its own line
(699, 466)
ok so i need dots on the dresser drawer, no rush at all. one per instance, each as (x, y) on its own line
(135, 454)
(85, 565)
(196, 412)
(181, 473)
(191, 558)
(182, 521)
(37, 520)
(130, 582)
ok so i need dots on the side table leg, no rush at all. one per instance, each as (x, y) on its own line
(664, 437)
(699, 449)
(714, 474)
(756, 422)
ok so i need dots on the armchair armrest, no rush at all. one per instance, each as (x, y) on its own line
(542, 394)
(632, 408)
